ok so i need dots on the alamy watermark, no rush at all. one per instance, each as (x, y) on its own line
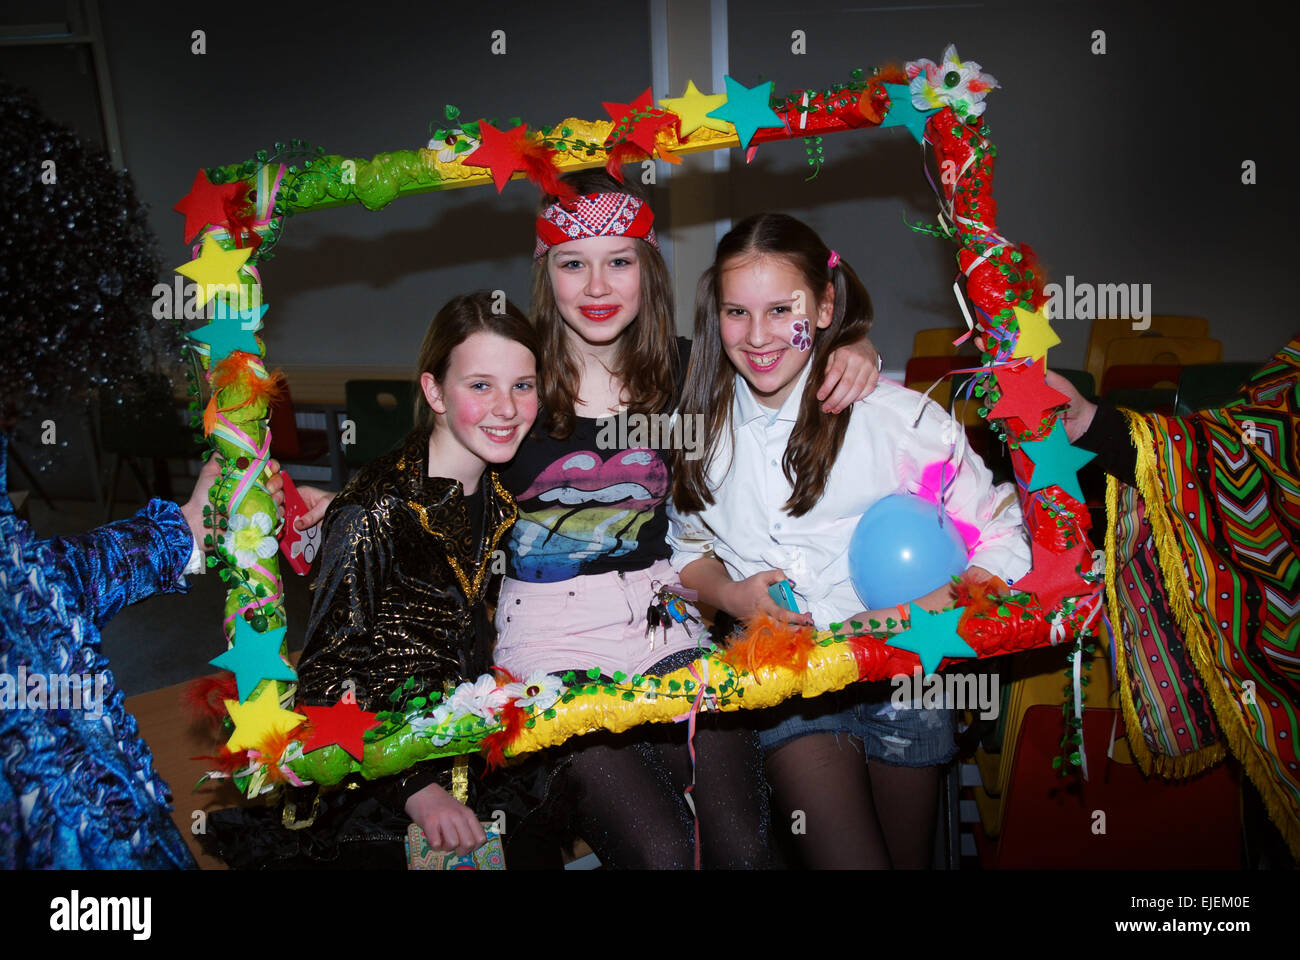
(187, 300)
(656, 431)
(53, 691)
(1090, 301)
(980, 693)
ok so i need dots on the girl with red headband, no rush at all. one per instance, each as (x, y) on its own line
(588, 583)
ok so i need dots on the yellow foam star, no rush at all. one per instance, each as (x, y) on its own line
(1036, 333)
(259, 717)
(214, 267)
(692, 107)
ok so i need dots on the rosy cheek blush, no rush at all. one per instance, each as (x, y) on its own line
(800, 335)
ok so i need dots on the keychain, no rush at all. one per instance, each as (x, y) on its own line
(665, 609)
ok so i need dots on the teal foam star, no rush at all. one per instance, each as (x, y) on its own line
(230, 329)
(902, 113)
(254, 657)
(749, 108)
(1056, 461)
(932, 637)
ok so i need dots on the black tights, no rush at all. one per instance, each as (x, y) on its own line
(846, 813)
(628, 793)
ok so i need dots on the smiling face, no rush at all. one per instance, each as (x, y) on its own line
(485, 404)
(764, 307)
(597, 286)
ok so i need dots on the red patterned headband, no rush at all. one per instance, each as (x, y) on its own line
(595, 215)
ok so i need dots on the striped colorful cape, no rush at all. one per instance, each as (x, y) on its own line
(1204, 608)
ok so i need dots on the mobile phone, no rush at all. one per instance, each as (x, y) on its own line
(783, 596)
(298, 546)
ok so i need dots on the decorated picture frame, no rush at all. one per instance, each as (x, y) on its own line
(235, 215)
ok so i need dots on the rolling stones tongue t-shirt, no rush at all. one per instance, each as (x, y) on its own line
(587, 505)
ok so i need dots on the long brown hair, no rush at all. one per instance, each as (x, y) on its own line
(460, 318)
(646, 361)
(710, 379)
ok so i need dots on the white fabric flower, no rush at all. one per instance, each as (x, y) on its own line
(482, 698)
(248, 539)
(440, 715)
(962, 86)
(539, 691)
(447, 152)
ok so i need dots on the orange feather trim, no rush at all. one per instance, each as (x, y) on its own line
(273, 746)
(236, 369)
(771, 643)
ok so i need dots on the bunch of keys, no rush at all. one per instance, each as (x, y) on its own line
(666, 609)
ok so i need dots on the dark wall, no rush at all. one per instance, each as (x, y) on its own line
(1123, 168)
(350, 285)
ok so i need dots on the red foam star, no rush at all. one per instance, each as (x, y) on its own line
(501, 151)
(640, 132)
(1055, 576)
(207, 204)
(1025, 394)
(342, 724)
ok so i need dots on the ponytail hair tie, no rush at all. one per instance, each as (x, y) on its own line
(832, 260)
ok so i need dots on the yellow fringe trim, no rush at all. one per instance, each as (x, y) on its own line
(1170, 552)
(1148, 761)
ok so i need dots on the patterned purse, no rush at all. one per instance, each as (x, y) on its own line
(490, 856)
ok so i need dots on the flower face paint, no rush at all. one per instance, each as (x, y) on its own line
(799, 335)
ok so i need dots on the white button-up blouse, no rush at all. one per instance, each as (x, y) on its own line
(883, 453)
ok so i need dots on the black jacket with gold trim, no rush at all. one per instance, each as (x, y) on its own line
(401, 584)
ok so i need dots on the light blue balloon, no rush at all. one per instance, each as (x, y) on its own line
(900, 552)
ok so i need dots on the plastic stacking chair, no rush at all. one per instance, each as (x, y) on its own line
(1106, 329)
(1205, 386)
(926, 370)
(937, 342)
(1149, 400)
(1140, 376)
(383, 413)
(1151, 823)
(1170, 350)
(293, 445)
(144, 425)
(1032, 679)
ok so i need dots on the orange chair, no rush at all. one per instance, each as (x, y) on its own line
(937, 342)
(1181, 351)
(1106, 329)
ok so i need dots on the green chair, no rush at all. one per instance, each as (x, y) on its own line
(1081, 380)
(1205, 386)
(382, 414)
(142, 421)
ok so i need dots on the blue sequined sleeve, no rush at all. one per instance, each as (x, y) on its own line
(125, 561)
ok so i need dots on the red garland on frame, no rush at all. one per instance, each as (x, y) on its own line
(999, 275)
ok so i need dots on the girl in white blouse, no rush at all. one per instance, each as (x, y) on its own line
(777, 494)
